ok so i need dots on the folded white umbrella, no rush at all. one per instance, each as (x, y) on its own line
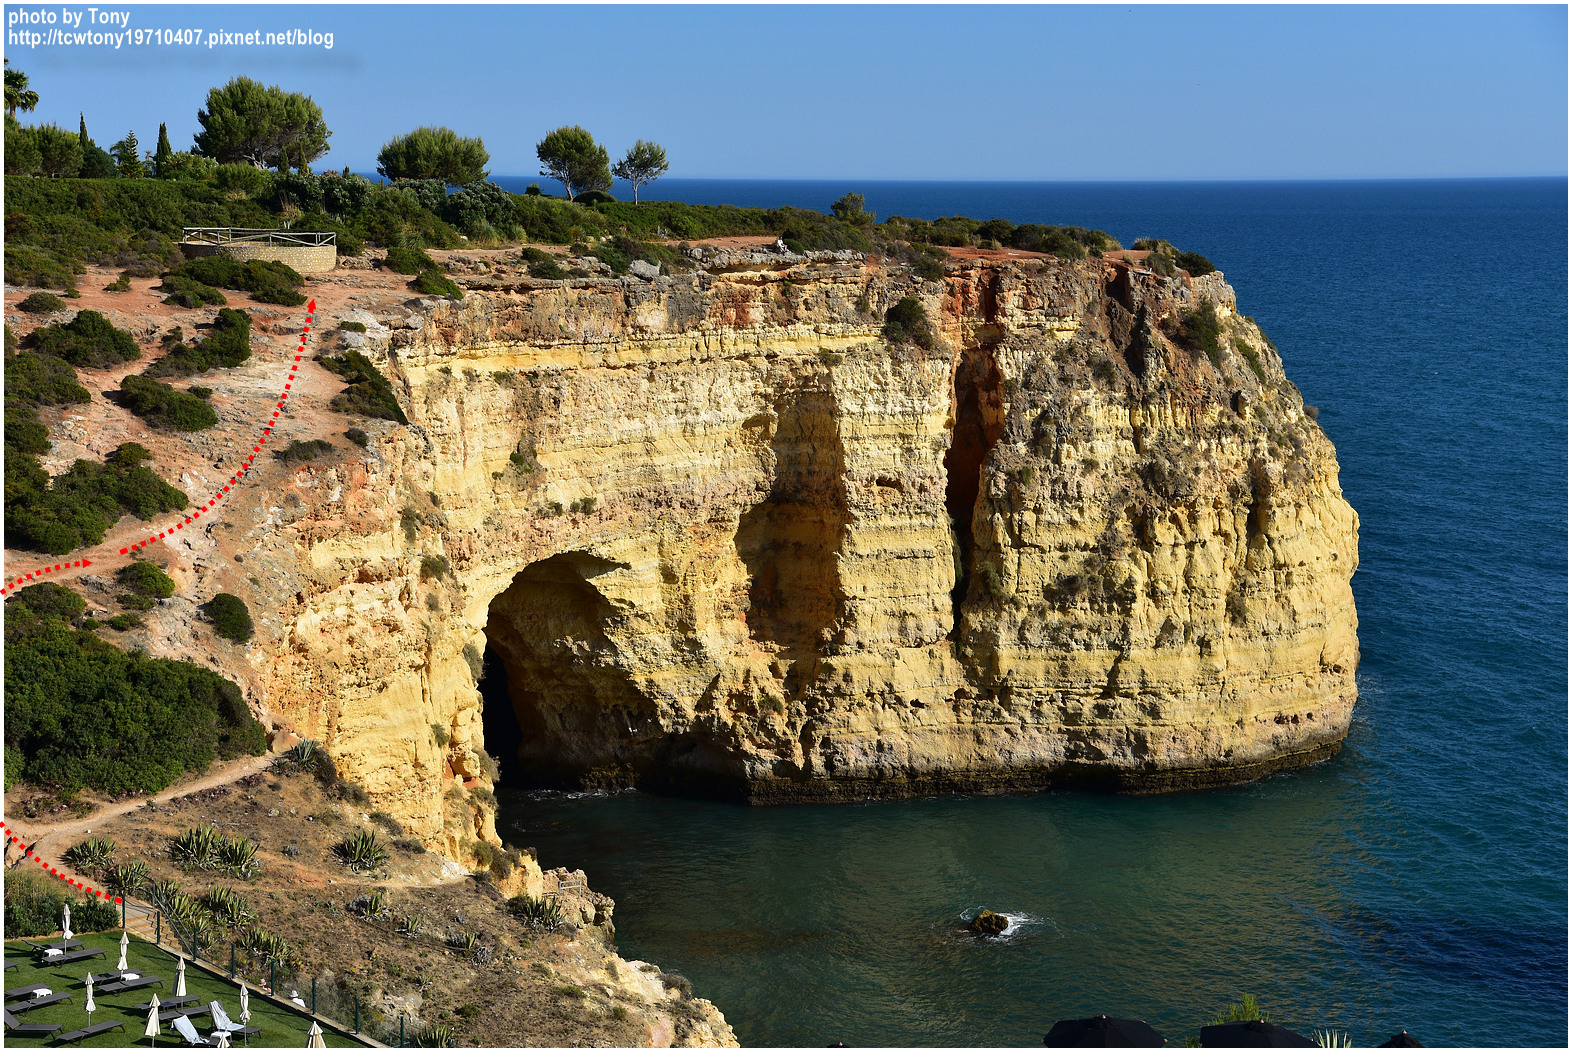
(221, 1039)
(65, 925)
(245, 1005)
(152, 1019)
(180, 976)
(90, 1006)
(125, 940)
(314, 1036)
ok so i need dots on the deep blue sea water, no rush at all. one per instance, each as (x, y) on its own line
(1419, 880)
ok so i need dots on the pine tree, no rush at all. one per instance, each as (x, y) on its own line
(164, 153)
(81, 134)
(128, 157)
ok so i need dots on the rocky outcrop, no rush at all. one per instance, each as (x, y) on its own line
(726, 539)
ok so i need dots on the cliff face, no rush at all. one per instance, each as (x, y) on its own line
(724, 537)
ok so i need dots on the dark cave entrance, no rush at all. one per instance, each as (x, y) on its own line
(979, 417)
(557, 704)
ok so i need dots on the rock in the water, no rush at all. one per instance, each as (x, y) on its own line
(988, 923)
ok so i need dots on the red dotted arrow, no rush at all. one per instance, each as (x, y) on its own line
(12, 838)
(222, 492)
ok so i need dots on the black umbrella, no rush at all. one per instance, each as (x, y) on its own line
(1102, 1032)
(1402, 1039)
(1259, 1034)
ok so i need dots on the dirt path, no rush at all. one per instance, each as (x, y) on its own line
(53, 838)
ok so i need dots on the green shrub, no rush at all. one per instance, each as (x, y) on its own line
(120, 284)
(37, 379)
(86, 341)
(546, 269)
(47, 599)
(124, 622)
(71, 696)
(184, 292)
(230, 617)
(34, 904)
(42, 303)
(434, 566)
(265, 280)
(907, 321)
(536, 913)
(357, 436)
(228, 344)
(74, 509)
(163, 406)
(368, 393)
(402, 260)
(141, 577)
(435, 283)
(352, 326)
(1202, 328)
(302, 451)
(1195, 263)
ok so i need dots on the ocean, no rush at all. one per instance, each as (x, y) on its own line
(1418, 880)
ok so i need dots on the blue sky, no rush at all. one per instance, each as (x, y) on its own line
(1030, 93)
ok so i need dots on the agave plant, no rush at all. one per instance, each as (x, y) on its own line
(196, 848)
(410, 927)
(302, 757)
(541, 913)
(128, 877)
(94, 855)
(1332, 1039)
(163, 893)
(202, 931)
(370, 906)
(266, 948)
(435, 1037)
(361, 852)
(238, 857)
(229, 907)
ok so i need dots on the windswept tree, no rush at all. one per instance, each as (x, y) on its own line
(17, 95)
(571, 156)
(434, 153)
(266, 127)
(644, 163)
(128, 157)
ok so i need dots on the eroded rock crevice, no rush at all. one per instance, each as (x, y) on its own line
(979, 419)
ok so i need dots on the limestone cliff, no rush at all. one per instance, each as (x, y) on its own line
(726, 538)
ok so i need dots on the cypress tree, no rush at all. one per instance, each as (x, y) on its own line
(81, 133)
(162, 156)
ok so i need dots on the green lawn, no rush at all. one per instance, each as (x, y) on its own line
(280, 1028)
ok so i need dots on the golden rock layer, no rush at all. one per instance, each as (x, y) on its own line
(727, 539)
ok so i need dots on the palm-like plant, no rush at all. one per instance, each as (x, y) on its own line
(238, 857)
(229, 907)
(196, 848)
(17, 95)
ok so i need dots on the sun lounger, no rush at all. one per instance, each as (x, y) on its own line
(221, 1022)
(182, 1013)
(173, 1002)
(15, 1027)
(186, 1029)
(62, 944)
(27, 1004)
(88, 1031)
(72, 957)
(100, 978)
(23, 991)
(128, 984)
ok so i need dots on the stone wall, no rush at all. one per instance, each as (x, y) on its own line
(305, 259)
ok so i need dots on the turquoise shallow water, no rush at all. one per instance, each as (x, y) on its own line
(1419, 880)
